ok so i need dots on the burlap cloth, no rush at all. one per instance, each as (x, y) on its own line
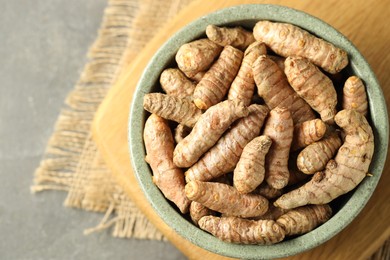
(72, 162)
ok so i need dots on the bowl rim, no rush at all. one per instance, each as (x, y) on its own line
(343, 217)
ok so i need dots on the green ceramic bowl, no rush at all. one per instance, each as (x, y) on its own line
(345, 207)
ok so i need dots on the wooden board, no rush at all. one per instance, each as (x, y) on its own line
(364, 23)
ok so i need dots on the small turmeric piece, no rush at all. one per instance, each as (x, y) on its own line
(279, 127)
(159, 150)
(197, 211)
(214, 85)
(173, 108)
(237, 37)
(342, 174)
(273, 213)
(243, 231)
(308, 132)
(181, 131)
(273, 87)
(249, 172)
(198, 77)
(267, 191)
(315, 156)
(355, 96)
(289, 40)
(313, 86)
(304, 219)
(197, 56)
(175, 83)
(243, 86)
(226, 199)
(207, 130)
(223, 157)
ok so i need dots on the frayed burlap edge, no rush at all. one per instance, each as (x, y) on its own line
(65, 146)
(63, 166)
(72, 161)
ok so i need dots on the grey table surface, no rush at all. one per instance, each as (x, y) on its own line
(42, 48)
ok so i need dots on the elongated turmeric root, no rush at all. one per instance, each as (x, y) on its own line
(172, 108)
(237, 37)
(197, 56)
(355, 96)
(197, 211)
(175, 83)
(279, 127)
(207, 130)
(159, 151)
(226, 199)
(249, 172)
(304, 219)
(289, 40)
(243, 86)
(216, 82)
(315, 156)
(273, 87)
(313, 86)
(342, 174)
(223, 157)
(308, 132)
(243, 231)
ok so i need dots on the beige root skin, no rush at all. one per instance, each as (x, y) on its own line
(207, 131)
(237, 37)
(273, 213)
(355, 96)
(267, 191)
(243, 231)
(175, 83)
(279, 127)
(173, 108)
(304, 219)
(243, 86)
(342, 174)
(278, 60)
(198, 77)
(289, 40)
(273, 87)
(315, 156)
(159, 150)
(313, 86)
(223, 157)
(181, 131)
(226, 199)
(197, 211)
(216, 82)
(249, 172)
(197, 56)
(308, 132)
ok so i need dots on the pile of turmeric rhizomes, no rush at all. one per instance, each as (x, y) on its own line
(250, 167)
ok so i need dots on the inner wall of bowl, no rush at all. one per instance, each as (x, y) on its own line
(247, 16)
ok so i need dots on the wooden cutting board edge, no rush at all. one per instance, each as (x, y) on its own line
(118, 158)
